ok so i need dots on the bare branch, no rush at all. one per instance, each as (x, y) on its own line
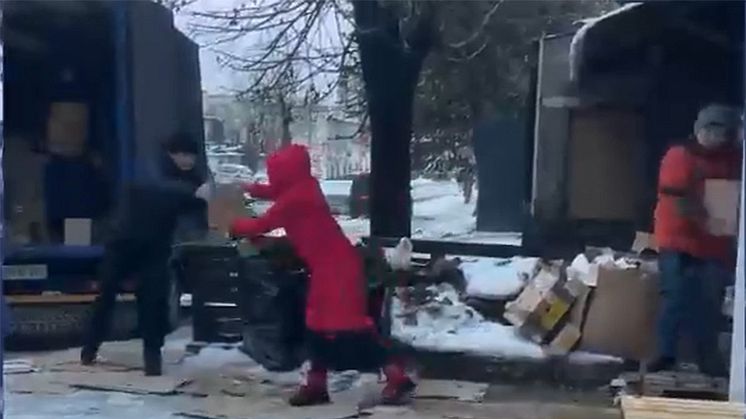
(480, 29)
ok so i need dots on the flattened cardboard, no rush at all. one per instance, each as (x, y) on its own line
(722, 199)
(226, 205)
(622, 314)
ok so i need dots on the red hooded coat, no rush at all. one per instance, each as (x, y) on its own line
(337, 291)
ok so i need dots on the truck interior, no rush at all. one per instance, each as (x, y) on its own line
(639, 78)
(692, 56)
(58, 91)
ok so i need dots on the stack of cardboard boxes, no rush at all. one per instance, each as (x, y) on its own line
(67, 136)
(541, 310)
(606, 307)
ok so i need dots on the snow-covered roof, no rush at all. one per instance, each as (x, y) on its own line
(578, 41)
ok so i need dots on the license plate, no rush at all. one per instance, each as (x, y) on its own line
(24, 272)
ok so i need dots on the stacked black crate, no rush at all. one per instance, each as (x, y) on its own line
(213, 274)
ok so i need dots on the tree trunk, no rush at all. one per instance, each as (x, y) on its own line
(390, 72)
(286, 138)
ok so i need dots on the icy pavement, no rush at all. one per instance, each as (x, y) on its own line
(218, 383)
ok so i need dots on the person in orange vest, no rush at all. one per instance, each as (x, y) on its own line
(695, 265)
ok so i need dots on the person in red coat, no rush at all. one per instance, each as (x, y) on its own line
(341, 336)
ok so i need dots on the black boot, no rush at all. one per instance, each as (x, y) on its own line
(663, 363)
(153, 362)
(88, 355)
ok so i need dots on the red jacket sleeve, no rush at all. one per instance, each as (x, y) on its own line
(675, 173)
(253, 227)
(259, 190)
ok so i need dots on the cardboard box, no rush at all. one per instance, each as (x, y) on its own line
(571, 332)
(566, 339)
(78, 231)
(24, 192)
(226, 205)
(67, 128)
(622, 313)
(722, 201)
(543, 304)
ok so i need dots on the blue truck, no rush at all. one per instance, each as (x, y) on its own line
(138, 79)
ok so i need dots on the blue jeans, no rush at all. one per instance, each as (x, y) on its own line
(692, 293)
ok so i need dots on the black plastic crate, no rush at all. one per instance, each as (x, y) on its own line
(211, 272)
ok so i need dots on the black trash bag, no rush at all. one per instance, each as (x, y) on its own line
(273, 307)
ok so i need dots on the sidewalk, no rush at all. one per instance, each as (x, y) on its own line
(224, 383)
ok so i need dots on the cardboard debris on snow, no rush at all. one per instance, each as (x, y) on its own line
(612, 288)
(446, 324)
(114, 357)
(43, 383)
(124, 382)
(18, 366)
(462, 391)
(543, 305)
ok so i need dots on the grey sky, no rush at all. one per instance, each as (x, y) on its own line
(215, 78)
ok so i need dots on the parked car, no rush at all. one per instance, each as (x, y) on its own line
(359, 196)
(233, 173)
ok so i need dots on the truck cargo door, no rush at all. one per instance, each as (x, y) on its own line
(189, 79)
(551, 130)
(154, 87)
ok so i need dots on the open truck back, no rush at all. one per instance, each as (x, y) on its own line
(135, 79)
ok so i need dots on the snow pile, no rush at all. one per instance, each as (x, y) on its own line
(443, 217)
(446, 324)
(497, 279)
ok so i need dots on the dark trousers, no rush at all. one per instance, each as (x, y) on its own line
(692, 293)
(149, 267)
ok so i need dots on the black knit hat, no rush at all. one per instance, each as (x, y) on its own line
(182, 143)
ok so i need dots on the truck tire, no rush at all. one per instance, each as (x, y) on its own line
(39, 326)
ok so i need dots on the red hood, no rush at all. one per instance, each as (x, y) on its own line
(288, 166)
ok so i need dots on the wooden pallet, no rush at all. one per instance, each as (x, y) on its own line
(662, 408)
(680, 384)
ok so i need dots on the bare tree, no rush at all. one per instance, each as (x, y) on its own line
(293, 45)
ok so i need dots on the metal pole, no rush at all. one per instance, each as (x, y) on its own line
(737, 390)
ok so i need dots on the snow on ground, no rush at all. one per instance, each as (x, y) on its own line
(336, 187)
(443, 217)
(439, 212)
(456, 327)
(448, 325)
(496, 279)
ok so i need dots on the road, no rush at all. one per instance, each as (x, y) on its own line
(223, 383)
